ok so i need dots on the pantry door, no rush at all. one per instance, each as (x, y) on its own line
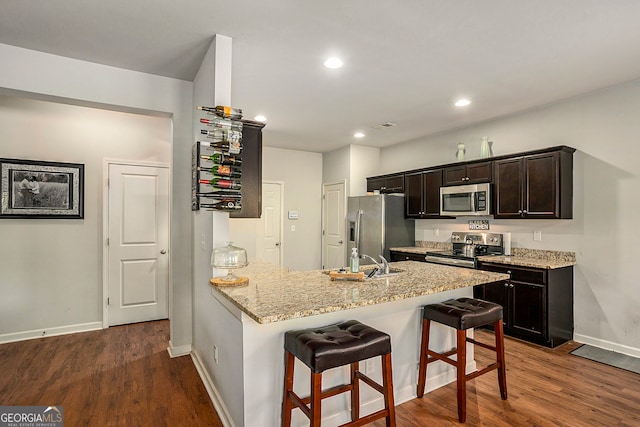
(333, 225)
(269, 239)
(138, 243)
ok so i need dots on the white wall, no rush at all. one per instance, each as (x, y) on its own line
(30, 74)
(604, 127)
(301, 172)
(364, 161)
(51, 269)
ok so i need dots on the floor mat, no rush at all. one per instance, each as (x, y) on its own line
(608, 357)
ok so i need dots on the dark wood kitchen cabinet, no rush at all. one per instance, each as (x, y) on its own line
(251, 171)
(405, 256)
(535, 186)
(422, 194)
(537, 303)
(392, 183)
(470, 173)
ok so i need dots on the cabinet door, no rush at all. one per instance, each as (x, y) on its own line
(455, 175)
(528, 308)
(496, 293)
(413, 195)
(479, 172)
(374, 184)
(394, 184)
(507, 193)
(541, 195)
(405, 256)
(431, 193)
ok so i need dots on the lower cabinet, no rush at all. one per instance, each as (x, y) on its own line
(405, 256)
(537, 303)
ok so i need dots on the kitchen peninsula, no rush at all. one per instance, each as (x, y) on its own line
(251, 322)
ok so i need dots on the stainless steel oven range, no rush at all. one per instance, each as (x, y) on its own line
(467, 247)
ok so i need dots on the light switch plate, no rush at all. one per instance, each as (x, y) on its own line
(537, 236)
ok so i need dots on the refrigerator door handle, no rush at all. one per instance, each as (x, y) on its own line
(358, 225)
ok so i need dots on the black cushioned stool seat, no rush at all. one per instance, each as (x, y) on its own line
(327, 347)
(463, 314)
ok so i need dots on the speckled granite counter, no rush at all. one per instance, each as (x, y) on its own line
(520, 256)
(275, 294)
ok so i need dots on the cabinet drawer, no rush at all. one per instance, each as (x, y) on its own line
(521, 274)
(405, 256)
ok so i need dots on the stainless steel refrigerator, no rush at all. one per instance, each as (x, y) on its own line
(377, 223)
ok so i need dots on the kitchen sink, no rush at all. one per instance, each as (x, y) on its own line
(392, 272)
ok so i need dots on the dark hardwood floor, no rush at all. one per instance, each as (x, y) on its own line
(121, 376)
(546, 387)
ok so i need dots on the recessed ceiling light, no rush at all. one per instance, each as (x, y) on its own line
(358, 135)
(333, 62)
(260, 118)
(462, 102)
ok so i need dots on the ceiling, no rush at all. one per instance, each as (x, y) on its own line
(405, 61)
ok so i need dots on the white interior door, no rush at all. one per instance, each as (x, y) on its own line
(138, 233)
(269, 245)
(333, 225)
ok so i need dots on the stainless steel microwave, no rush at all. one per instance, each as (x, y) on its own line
(465, 200)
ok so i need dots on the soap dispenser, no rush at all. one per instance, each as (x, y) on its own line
(354, 261)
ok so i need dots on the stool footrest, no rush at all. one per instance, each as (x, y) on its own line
(481, 344)
(491, 367)
(371, 383)
(441, 356)
(367, 419)
(300, 403)
(333, 391)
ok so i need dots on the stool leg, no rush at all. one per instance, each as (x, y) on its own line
(502, 369)
(424, 345)
(387, 385)
(316, 399)
(355, 392)
(461, 364)
(287, 404)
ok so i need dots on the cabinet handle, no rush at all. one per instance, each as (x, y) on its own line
(524, 211)
(520, 211)
(509, 272)
(506, 285)
(511, 285)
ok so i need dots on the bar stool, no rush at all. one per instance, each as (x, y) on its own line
(463, 314)
(345, 343)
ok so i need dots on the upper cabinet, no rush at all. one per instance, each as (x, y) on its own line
(251, 171)
(393, 183)
(422, 194)
(471, 173)
(535, 186)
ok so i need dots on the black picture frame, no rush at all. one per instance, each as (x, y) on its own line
(41, 189)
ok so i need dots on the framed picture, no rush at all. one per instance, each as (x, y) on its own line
(40, 189)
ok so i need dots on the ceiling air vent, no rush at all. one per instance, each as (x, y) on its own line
(384, 125)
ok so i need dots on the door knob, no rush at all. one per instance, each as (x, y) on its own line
(340, 242)
(164, 251)
(277, 243)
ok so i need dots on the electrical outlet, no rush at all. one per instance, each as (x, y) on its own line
(215, 354)
(537, 236)
(203, 242)
(436, 232)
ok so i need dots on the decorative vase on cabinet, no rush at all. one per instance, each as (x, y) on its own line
(485, 148)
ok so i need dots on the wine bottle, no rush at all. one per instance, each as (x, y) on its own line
(222, 146)
(223, 111)
(222, 194)
(223, 183)
(222, 159)
(223, 205)
(223, 171)
(220, 123)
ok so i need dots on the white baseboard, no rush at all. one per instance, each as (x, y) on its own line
(607, 345)
(181, 350)
(49, 332)
(218, 404)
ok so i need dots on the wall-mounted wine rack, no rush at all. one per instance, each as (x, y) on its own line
(217, 161)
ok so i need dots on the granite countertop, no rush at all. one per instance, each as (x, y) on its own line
(276, 293)
(522, 257)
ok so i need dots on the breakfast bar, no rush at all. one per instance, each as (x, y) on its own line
(250, 323)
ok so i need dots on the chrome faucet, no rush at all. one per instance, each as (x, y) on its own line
(383, 268)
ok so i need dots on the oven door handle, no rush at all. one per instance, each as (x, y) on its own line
(450, 261)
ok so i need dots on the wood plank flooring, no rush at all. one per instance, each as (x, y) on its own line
(546, 387)
(121, 376)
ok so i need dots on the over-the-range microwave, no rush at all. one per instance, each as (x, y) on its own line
(465, 200)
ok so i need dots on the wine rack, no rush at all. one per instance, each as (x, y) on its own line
(217, 161)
